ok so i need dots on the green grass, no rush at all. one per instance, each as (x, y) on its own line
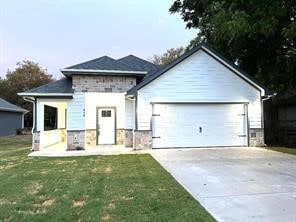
(283, 150)
(98, 188)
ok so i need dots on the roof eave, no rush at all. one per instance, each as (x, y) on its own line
(70, 72)
(14, 110)
(46, 94)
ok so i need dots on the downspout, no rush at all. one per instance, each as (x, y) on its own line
(133, 98)
(33, 127)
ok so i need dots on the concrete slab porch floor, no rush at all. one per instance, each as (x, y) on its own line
(236, 184)
(101, 150)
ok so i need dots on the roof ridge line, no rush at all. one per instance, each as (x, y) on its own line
(92, 60)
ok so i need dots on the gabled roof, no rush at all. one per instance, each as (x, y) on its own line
(102, 63)
(130, 65)
(206, 48)
(138, 63)
(62, 87)
(7, 106)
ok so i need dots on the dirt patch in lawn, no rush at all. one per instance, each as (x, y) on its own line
(34, 188)
(5, 201)
(108, 170)
(106, 217)
(79, 203)
(48, 203)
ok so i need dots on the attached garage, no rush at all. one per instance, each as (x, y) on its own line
(199, 125)
(199, 100)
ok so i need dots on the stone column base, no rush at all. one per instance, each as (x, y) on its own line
(143, 139)
(90, 138)
(36, 141)
(256, 137)
(128, 138)
(120, 136)
(75, 140)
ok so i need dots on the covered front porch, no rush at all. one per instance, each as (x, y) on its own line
(50, 124)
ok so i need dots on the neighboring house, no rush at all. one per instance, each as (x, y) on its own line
(199, 100)
(11, 118)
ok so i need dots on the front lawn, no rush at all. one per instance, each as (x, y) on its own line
(283, 149)
(97, 188)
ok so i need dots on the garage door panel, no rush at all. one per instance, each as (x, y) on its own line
(198, 125)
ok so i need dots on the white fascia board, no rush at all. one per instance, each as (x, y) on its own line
(102, 71)
(235, 70)
(45, 94)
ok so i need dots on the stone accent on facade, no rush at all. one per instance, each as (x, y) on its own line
(75, 139)
(143, 139)
(90, 138)
(36, 141)
(128, 138)
(120, 136)
(256, 137)
(117, 84)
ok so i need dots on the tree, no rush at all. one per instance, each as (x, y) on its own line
(259, 35)
(27, 75)
(167, 57)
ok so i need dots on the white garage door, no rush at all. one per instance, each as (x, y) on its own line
(199, 125)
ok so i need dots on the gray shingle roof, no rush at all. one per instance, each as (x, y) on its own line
(104, 63)
(139, 64)
(129, 65)
(59, 86)
(7, 106)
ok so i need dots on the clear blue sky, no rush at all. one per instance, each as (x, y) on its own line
(57, 34)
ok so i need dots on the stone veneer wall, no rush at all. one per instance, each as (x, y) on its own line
(90, 138)
(120, 136)
(143, 139)
(87, 138)
(128, 138)
(36, 142)
(256, 137)
(119, 84)
(75, 139)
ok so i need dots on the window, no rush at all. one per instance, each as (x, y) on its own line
(50, 118)
(106, 113)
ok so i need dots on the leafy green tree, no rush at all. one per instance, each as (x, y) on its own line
(27, 75)
(259, 35)
(167, 57)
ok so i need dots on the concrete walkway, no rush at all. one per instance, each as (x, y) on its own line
(236, 184)
(112, 150)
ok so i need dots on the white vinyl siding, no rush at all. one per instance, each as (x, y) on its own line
(76, 113)
(199, 78)
(129, 114)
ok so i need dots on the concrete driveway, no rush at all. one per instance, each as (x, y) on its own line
(236, 184)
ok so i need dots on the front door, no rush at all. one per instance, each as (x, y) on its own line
(106, 126)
